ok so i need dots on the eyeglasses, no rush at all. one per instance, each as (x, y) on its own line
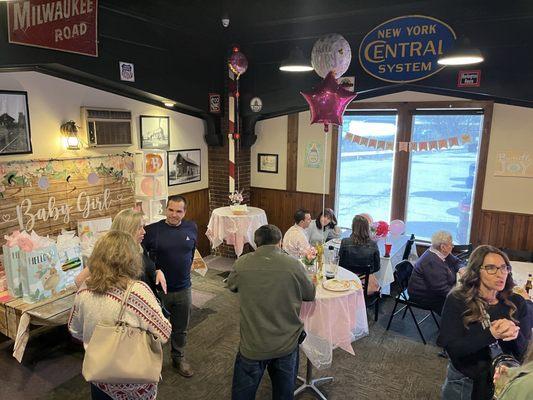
(492, 269)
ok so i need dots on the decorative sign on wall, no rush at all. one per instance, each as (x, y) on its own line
(515, 163)
(68, 25)
(405, 49)
(50, 195)
(313, 155)
(214, 103)
(127, 71)
(469, 78)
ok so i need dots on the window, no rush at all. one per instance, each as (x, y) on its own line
(430, 189)
(365, 173)
(441, 181)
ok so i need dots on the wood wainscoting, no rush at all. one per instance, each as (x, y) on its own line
(504, 229)
(280, 205)
(198, 211)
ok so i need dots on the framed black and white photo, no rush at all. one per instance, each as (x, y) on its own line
(184, 166)
(267, 163)
(155, 132)
(15, 135)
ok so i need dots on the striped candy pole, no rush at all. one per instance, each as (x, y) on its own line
(231, 128)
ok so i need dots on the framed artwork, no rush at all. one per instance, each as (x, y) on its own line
(15, 135)
(184, 166)
(155, 132)
(267, 163)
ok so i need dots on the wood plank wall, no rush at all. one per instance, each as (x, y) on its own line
(198, 211)
(504, 229)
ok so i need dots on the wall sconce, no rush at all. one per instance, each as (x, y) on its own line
(69, 130)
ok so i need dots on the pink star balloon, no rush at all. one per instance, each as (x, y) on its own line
(328, 101)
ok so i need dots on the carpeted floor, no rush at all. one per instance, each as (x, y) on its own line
(387, 365)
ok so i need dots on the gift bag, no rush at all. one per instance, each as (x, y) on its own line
(41, 274)
(12, 271)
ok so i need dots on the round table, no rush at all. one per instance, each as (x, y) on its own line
(234, 229)
(333, 319)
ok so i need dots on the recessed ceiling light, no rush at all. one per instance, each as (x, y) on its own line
(169, 104)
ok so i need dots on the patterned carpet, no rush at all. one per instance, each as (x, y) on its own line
(387, 365)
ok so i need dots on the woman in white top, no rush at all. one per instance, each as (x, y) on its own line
(324, 228)
(115, 264)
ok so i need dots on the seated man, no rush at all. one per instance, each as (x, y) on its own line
(271, 287)
(435, 273)
(295, 241)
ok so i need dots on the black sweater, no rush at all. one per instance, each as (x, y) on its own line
(468, 348)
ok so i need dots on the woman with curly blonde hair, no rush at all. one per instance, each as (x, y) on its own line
(481, 317)
(115, 268)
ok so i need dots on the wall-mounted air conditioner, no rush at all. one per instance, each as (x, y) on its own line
(106, 127)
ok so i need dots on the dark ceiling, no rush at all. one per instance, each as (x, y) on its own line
(179, 47)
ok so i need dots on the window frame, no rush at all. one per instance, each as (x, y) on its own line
(401, 160)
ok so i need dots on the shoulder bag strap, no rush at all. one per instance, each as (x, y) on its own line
(124, 302)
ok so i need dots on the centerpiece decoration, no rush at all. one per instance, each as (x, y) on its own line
(379, 229)
(236, 207)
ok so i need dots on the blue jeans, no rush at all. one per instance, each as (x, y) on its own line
(247, 375)
(456, 386)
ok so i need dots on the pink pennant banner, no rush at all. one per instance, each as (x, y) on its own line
(413, 146)
(403, 146)
(465, 138)
(356, 139)
(389, 145)
(372, 143)
(443, 144)
(364, 141)
(433, 145)
(422, 146)
(381, 144)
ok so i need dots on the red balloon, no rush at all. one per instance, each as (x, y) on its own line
(328, 102)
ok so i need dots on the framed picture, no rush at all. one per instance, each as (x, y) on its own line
(155, 132)
(267, 163)
(15, 135)
(184, 166)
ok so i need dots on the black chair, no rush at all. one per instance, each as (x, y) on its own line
(518, 255)
(374, 298)
(408, 247)
(462, 251)
(402, 273)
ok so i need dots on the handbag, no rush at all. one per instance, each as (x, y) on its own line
(122, 354)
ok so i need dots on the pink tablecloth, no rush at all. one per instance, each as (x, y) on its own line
(334, 319)
(234, 229)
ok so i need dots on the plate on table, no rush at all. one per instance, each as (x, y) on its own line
(336, 285)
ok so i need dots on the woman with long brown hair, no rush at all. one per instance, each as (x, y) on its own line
(358, 251)
(481, 317)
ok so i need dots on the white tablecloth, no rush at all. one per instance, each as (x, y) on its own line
(385, 275)
(520, 271)
(334, 319)
(234, 229)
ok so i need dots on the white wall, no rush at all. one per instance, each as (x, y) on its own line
(53, 101)
(271, 139)
(512, 129)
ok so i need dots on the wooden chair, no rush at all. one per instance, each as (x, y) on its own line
(402, 273)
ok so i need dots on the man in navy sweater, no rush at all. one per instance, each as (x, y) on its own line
(435, 273)
(171, 244)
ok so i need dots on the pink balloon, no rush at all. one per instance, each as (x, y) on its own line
(368, 217)
(397, 227)
(328, 102)
(151, 187)
(238, 62)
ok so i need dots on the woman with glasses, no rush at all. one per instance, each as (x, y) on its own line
(481, 318)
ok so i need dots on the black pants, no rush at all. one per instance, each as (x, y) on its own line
(434, 303)
(179, 305)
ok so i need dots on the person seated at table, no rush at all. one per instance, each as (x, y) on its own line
(295, 241)
(323, 228)
(358, 252)
(271, 286)
(482, 318)
(435, 272)
(515, 383)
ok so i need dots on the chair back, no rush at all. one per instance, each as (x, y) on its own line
(463, 251)
(402, 273)
(408, 247)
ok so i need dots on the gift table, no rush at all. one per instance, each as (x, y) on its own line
(234, 229)
(16, 316)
